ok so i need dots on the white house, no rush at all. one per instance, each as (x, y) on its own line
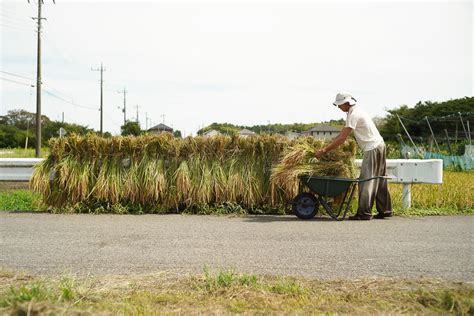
(211, 133)
(323, 132)
(160, 128)
(292, 135)
(245, 133)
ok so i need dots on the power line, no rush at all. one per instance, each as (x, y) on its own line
(22, 83)
(59, 92)
(22, 22)
(67, 101)
(11, 74)
(15, 28)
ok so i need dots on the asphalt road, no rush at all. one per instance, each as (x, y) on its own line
(440, 247)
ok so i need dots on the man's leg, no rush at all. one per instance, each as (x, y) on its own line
(367, 189)
(383, 200)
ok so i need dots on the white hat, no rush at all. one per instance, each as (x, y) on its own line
(342, 98)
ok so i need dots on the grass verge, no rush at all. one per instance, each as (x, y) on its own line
(454, 197)
(22, 153)
(20, 200)
(224, 292)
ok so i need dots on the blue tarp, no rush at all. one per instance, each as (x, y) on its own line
(464, 163)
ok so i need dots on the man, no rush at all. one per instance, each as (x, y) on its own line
(373, 163)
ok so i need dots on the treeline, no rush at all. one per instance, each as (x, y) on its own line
(230, 129)
(444, 118)
(17, 125)
(441, 116)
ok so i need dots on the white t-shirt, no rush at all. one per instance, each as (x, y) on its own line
(366, 133)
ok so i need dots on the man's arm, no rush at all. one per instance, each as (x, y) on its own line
(336, 142)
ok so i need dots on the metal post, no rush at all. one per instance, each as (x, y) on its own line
(464, 129)
(406, 195)
(432, 134)
(411, 140)
(449, 147)
(449, 143)
(27, 132)
(469, 133)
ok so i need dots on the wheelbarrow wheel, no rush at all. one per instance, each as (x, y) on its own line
(305, 205)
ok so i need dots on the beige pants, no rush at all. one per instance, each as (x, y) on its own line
(374, 164)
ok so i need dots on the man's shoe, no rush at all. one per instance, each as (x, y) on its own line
(358, 217)
(383, 215)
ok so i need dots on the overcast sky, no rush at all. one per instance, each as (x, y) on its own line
(192, 63)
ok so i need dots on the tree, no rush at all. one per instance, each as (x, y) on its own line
(51, 129)
(21, 119)
(442, 115)
(11, 137)
(130, 128)
(177, 134)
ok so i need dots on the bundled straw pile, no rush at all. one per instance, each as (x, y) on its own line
(299, 159)
(160, 173)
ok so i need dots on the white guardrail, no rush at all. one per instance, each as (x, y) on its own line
(405, 171)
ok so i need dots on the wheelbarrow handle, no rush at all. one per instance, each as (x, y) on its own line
(373, 178)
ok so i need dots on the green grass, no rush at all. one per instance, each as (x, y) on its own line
(228, 291)
(22, 153)
(19, 200)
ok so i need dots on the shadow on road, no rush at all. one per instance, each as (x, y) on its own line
(282, 218)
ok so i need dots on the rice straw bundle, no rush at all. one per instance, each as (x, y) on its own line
(160, 171)
(299, 159)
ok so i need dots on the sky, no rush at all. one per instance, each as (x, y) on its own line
(191, 63)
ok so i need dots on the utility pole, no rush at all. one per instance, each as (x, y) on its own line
(163, 117)
(137, 106)
(124, 109)
(101, 69)
(146, 120)
(38, 82)
(63, 118)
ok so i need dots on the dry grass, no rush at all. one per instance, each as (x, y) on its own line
(225, 292)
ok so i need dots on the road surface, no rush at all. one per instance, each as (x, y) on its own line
(440, 247)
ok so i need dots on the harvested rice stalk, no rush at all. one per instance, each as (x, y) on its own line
(169, 172)
(299, 160)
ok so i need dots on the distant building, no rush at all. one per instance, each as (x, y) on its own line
(292, 135)
(245, 133)
(323, 132)
(160, 128)
(211, 133)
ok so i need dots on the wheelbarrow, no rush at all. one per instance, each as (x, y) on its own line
(306, 204)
